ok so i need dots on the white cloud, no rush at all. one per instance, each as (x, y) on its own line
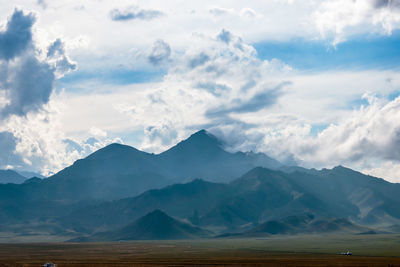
(97, 132)
(200, 81)
(389, 170)
(341, 19)
(365, 139)
(214, 80)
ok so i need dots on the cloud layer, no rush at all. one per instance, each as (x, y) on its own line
(341, 19)
(133, 13)
(26, 78)
(207, 75)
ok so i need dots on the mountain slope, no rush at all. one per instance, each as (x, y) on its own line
(155, 225)
(259, 195)
(202, 156)
(29, 174)
(302, 224)
(186, 201)
(10, 176)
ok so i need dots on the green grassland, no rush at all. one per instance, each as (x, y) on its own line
(307, 250)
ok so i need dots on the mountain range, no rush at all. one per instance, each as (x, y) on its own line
(259, 195)
(16, 177)
(118, 171)
(198, 183)
(10, 176)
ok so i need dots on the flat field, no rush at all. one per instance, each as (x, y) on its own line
(368, 250)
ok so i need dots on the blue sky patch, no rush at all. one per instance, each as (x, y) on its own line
(116, 76)
(365, 52)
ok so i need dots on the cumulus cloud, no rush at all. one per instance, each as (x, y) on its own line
(365, 139)
(207, 85)
(255, 103)
(341, 19)
(386, 3)
(133, 13)
(198, 60)
(41, 144)
(225, 36)
(223, 86)
(28, 74)
(160, 134)
(160, 52)
(17, 36)
(61, 63)
(27, 79)
(29, 84)
(8, 157)
(371, 132)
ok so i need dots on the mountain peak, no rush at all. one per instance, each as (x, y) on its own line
(199, 142)
(203, 135)
(157, 213)
(114, 150)
(342, 169)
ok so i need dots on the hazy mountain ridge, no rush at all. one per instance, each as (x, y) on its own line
(10, 176)
(302, 224)
(100, 193)
(117, 171)
(258, 196)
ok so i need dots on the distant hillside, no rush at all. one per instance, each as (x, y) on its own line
(10, 176)
(306, 224)
(29, 174)
(258, 196)
(155, 225)
(302, 224)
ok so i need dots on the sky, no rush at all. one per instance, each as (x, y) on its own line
(310, 83)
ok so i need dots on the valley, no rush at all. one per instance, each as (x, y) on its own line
(304, 250)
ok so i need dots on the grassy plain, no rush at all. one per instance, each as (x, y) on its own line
(310, 250)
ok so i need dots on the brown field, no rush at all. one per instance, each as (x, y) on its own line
(372, 250)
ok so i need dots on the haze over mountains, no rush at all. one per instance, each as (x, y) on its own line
(16, 177)
(10, 176)
(202, 187)
(155, 225)
(118, 171)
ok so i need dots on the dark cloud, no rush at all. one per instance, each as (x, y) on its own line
(30, 84)
(164, 134)
(259, 101)
(224, 36)
(72, 146)
(17, 36)
(386, 3)
(198, 60)
(159, 52)
(142, 14)
(56, 48)
(7, 148)
(26, 79)
(213, 87)
(57, 51)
